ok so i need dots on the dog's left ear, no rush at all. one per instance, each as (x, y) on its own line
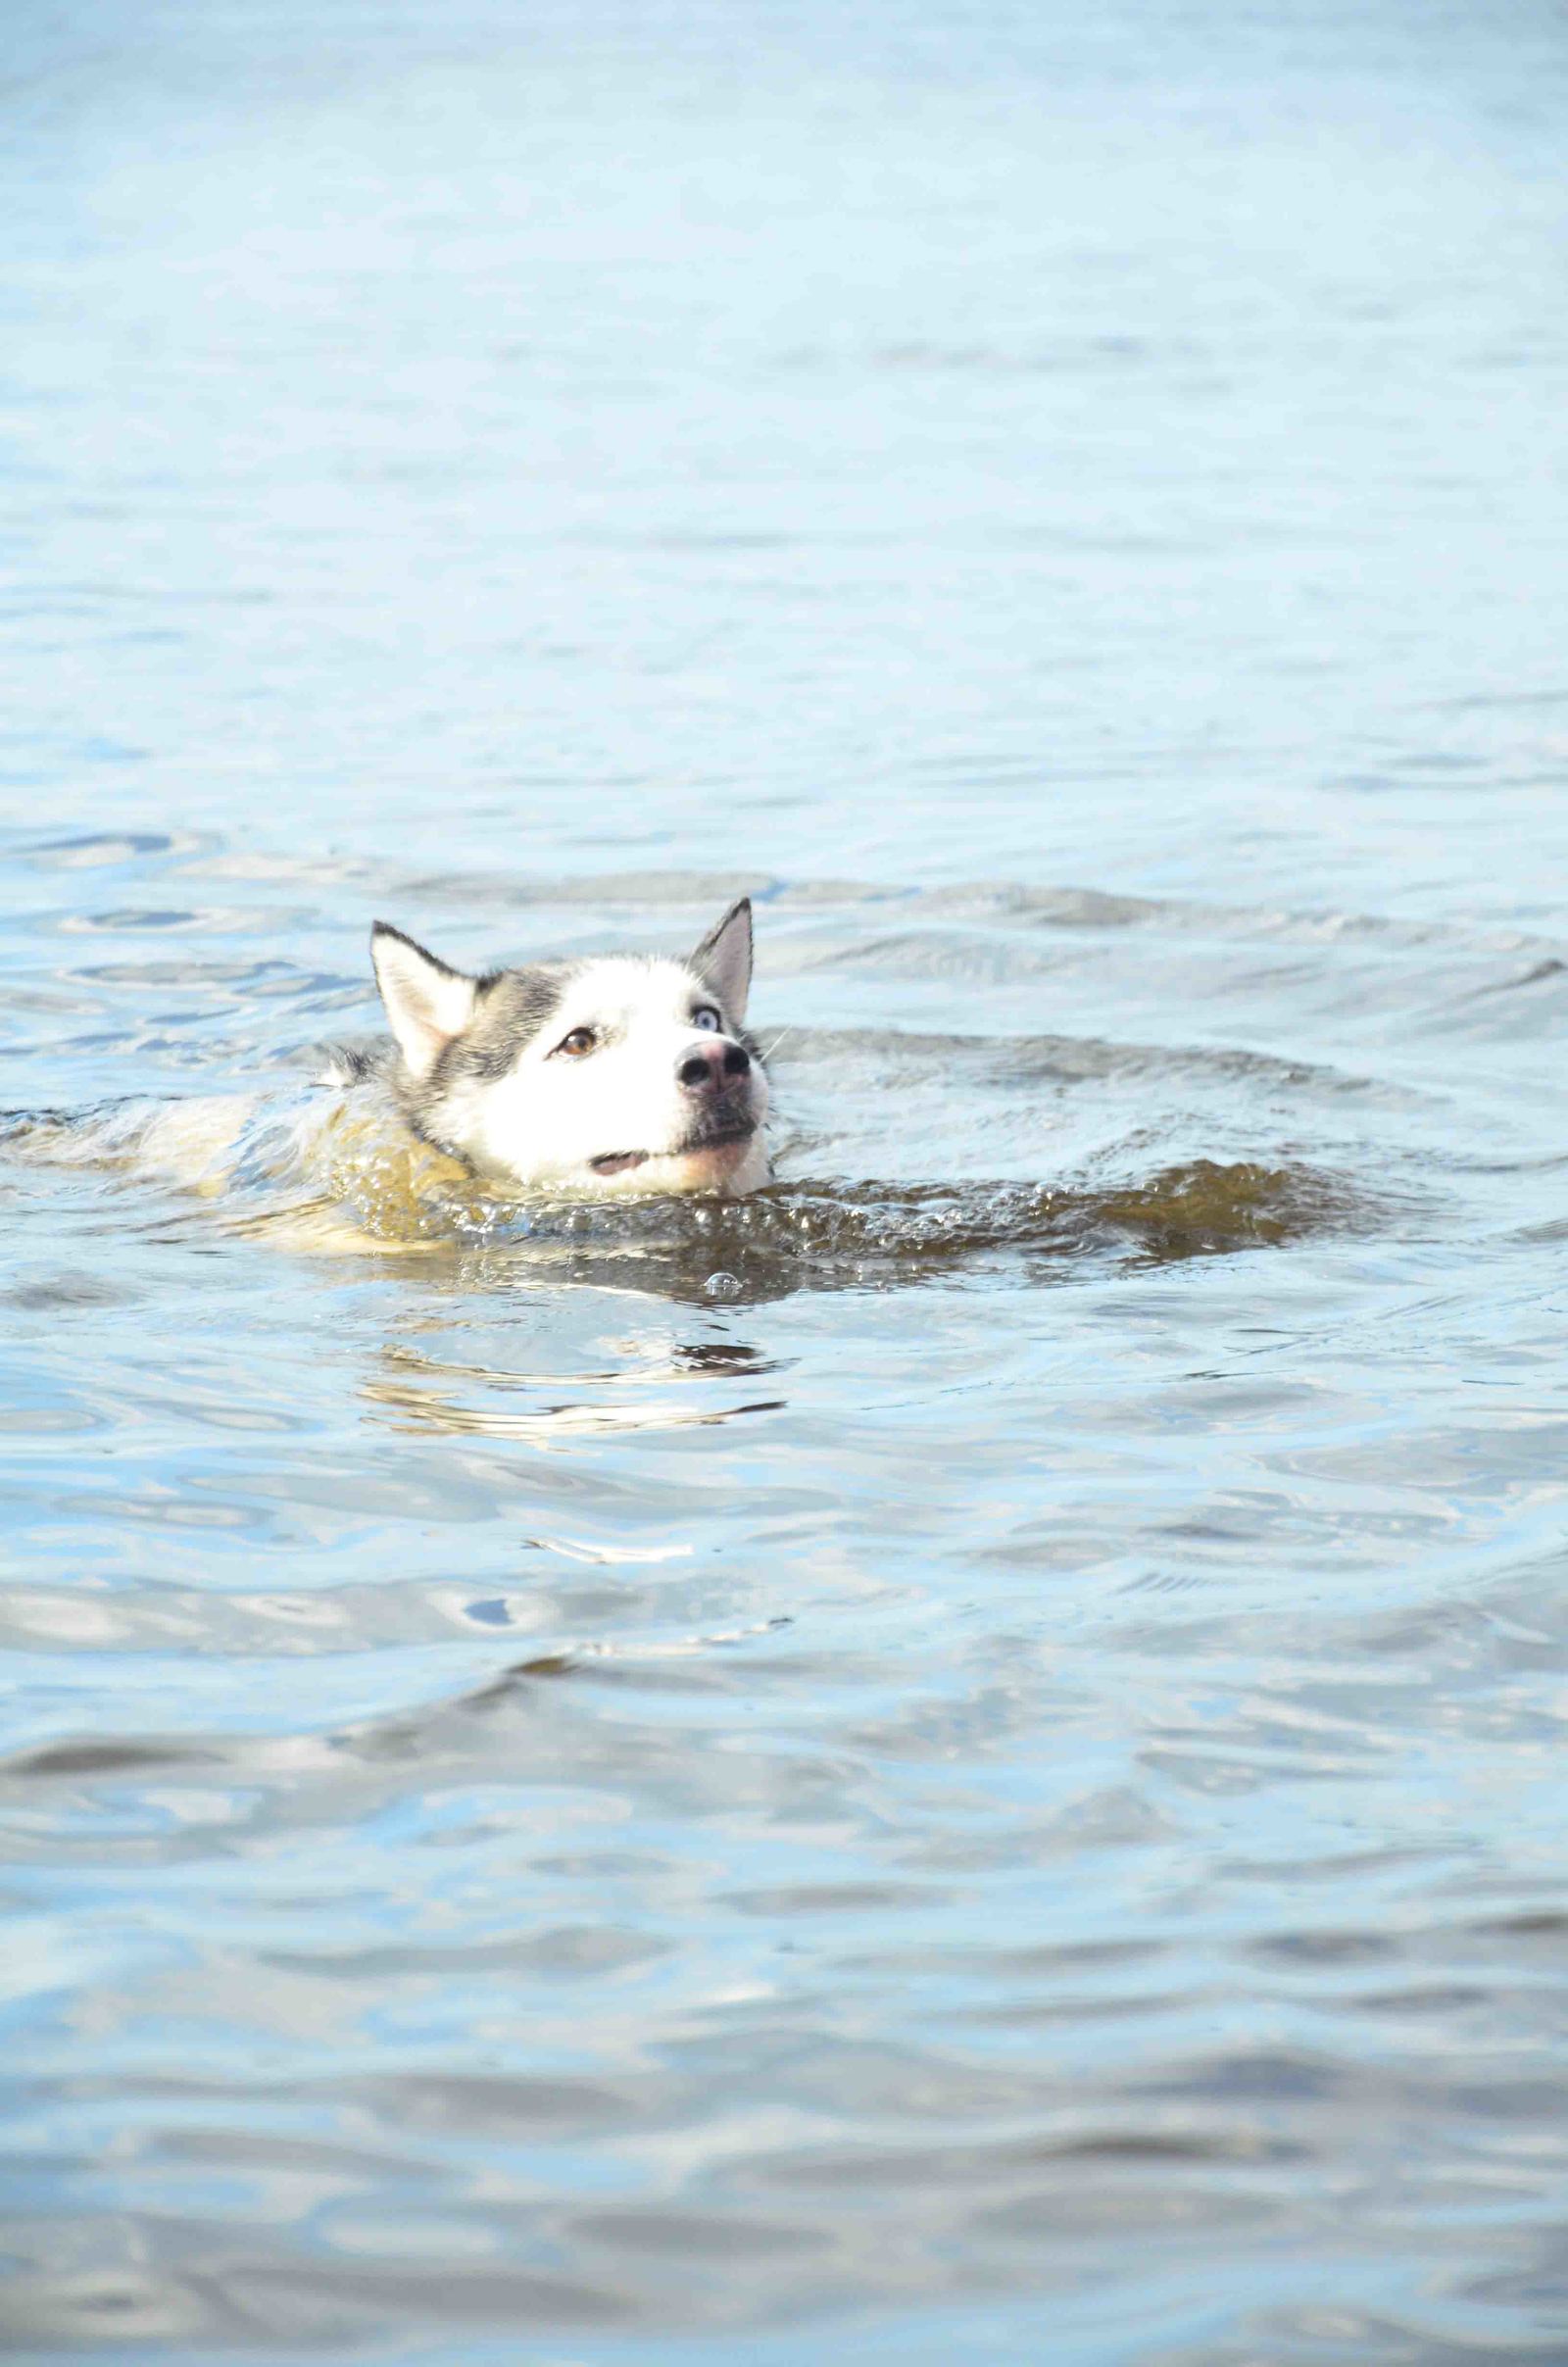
(724, 958)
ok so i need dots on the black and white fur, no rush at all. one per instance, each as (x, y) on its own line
(624, 1075)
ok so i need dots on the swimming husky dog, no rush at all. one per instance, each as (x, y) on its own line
(617, 1075)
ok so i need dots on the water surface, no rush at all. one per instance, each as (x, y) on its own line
(964, 1761)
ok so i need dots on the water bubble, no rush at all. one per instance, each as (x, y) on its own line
(722, 1286)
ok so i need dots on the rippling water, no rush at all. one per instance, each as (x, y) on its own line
(963, 1760)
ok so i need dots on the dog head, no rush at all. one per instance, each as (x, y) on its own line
(619, 1075)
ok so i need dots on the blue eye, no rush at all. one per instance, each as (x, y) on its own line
(706, 1016)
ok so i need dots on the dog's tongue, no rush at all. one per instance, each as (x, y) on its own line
(615, 1162)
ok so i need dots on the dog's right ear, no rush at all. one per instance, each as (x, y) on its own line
(425, 1003)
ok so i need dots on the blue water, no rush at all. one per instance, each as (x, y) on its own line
(966, 1761)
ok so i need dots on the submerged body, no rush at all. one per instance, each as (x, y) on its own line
(625, 1076)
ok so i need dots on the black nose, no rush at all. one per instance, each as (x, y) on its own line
(709, 1070)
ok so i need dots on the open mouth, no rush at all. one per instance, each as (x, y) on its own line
(711, 1138)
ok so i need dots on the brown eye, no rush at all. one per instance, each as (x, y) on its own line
(580, 1040)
